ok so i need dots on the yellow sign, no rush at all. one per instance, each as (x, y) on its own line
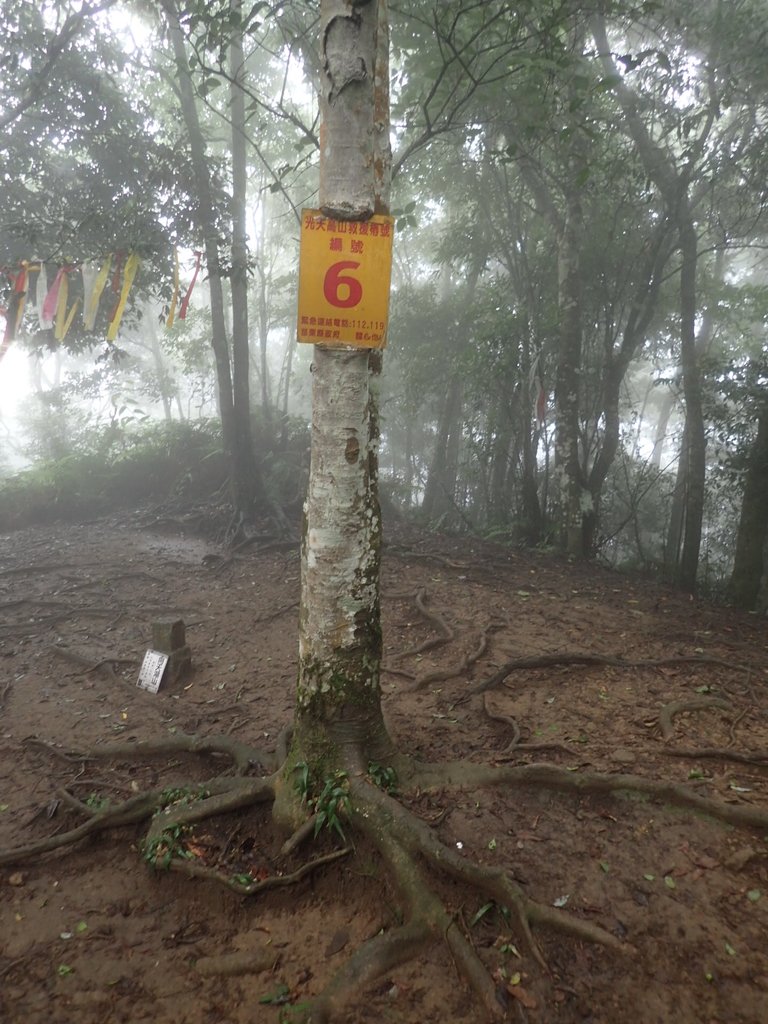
(344, 275)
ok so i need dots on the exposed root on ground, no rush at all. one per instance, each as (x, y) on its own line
(194, 870)
(444, 632)
(514, 744)
(410, 848)
(670, 711)
(88, 665)
(459, 667)
(551, 776)
(758, 757)
(243, 755)
(575, 658)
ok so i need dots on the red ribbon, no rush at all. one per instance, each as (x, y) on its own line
(185, 301)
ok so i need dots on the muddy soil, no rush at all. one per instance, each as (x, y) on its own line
(94, 934)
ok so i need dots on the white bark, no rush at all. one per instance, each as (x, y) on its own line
(340, 635)
(348, 33)
(340, 582)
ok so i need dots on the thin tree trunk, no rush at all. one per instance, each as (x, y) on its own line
(498, 511)
(749, 564)
(440, 489)
(166, 393)
(206, 218)
(692, 463)
(246, 485)
(568, 381)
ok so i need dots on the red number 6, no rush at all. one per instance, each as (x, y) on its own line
(335, 279)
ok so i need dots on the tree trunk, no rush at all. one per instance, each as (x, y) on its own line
(498, 490)
(338, 711)
(692, 464)
(246, 484)
(749, 564)
(567, 382)
(206, 218)
(440, 489)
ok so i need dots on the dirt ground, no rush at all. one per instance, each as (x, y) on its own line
(94, 935)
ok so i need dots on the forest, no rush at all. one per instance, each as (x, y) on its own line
(398, 373)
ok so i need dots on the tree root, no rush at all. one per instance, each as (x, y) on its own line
(757, 757)
(426, 555)
(403, 840)
(669, 711)
(458, 669)
(550, 776)
(243, 755)
(222, 795)
(438, 623)
(575, 658)
(408, 845)
(514, 744)
(195, 870)
(87, 664)
(4, 695)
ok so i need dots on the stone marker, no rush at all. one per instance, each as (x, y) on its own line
(170, 638)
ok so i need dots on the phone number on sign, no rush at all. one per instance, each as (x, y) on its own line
(341, 322)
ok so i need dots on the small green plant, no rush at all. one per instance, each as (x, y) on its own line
(303, 782)
(244, 879)
(182, 796)
(161, 850)
(279, 997)
(488, 908)
(293, 1013)
(332, 801)
(96, 802)
(383, 777)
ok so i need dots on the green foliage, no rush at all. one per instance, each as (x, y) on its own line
(159, 851)
(244, 879)
(97, 802)
(182, 797)
(114, 466)
(383, 777)
(169, 844)
(86, 167)
(489, 910)
(279, 997)
(327, 798)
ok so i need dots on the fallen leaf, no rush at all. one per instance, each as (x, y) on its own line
(739, 860)
(520, 994)
(706, 862)
(338, 942)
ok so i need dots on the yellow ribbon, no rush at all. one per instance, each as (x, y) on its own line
(61, 308)
(175, 299)
(89, 317)
(70, 318)
(131, 266)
